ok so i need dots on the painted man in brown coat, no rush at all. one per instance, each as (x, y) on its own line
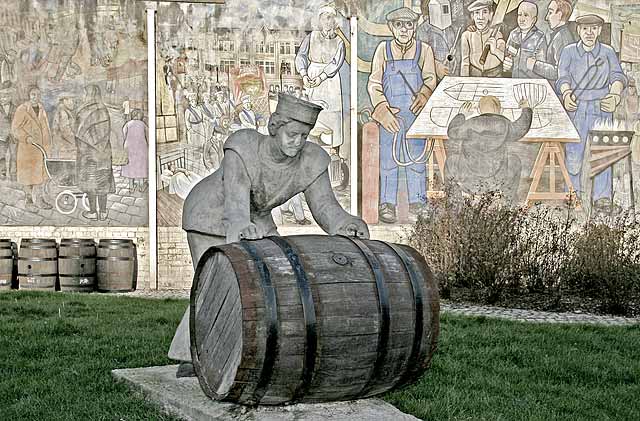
(31, 128)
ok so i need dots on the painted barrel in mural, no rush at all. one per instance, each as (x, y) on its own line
(311, 319)
(116, 265)
(77, 265)
(6, 264)
(38, 264)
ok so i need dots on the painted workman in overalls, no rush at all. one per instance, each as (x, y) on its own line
(402, 80)
(591, 81)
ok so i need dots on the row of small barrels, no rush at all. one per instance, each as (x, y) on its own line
(75, 265)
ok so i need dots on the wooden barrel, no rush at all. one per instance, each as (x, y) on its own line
(6, 264)
(311, 319)
(77, 265)
(116, 265)
(38, 264)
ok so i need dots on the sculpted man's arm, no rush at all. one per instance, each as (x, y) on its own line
(237, 186)
(327, 211)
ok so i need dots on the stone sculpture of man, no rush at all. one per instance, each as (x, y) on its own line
(258, 173)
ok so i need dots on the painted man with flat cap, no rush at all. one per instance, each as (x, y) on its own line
(473, 42)
(258, 173)
(402, 79)
(591, 81)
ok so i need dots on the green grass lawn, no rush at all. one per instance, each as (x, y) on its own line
(57, 351)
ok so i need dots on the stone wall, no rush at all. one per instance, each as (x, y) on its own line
(175, 269)
(140, 237)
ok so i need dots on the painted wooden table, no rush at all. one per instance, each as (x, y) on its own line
(551, 126)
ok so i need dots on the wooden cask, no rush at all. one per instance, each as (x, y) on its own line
(116, 265)
(38, 264)
(311, 319)
(6, 264)
(77, 265)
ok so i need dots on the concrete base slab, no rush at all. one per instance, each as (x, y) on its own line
(184, 398)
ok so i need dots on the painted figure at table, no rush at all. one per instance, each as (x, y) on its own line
(64, 128)
(591, 81)
(558, 13)
(30, 127)
(473, 43)
(525, 42)
(94, 163)
(261, 172)
(137, 147)
(402, 80)
(319, 59)
(484, 162)
(439, 34)
(8, 143)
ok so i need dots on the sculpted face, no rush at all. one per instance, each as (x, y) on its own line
(482, 18)
(554, 15)
(292, 137)
(403, 30)
(589, 34)
(527, 15)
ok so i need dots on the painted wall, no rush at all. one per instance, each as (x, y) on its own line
(73, 103)
(220, 69)
(407, 169)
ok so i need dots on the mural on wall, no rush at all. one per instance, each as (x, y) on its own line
(220, 69)
(73, 101)
(536, 99)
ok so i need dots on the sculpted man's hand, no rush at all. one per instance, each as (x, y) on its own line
(386, 116)
(239, 232)
(355, 227)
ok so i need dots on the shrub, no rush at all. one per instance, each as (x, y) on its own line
(491, 247)
(604, 262)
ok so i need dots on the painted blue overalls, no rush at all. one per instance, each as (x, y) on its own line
(400, 96)
(595, 70)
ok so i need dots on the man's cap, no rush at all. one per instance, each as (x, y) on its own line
(590, 20)
(404, 13)
(246, 99)
(480, 4)
(298, 109)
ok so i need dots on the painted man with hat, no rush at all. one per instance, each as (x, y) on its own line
(30, 126)
(473, 42)
(8, 143)
(591, 81)
(258, 173)
(402, 79)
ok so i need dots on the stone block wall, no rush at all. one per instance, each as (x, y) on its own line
(140, 237)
